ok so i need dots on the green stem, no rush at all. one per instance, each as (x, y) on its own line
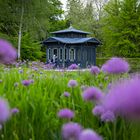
(114, 131)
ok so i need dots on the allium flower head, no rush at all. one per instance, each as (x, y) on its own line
(71, 131)
(7, 52)
(124, 98)
(92, 94)
(98, 110)
(26, 82)
(115, 66)
(49, 66)
(20, 71)
(94, 70)
(73, 67)
(66, 94)
(72, 83)
(35, 68)
(14, 111)
(88, 134)
(66, 113)
(4, 110)
(108, 116)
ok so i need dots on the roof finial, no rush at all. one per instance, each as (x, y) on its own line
(70, 25)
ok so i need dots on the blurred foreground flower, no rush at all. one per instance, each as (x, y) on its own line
(92, 94)
(115, 66)
(27, 82)
(108, 116)
(72, 83)
(8, 54)
(66, 113)
(89, 134)
(14, 111)
(4, 110)
(71, 131)
(98, 110)
(124, 98)
(94, 70)
(66, 94)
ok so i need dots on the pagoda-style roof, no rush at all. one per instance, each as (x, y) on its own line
(72, 40)
(70, 29)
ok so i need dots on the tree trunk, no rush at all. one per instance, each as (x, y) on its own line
(20, 30)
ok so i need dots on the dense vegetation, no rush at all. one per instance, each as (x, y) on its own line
(39, 102)
(114, 22)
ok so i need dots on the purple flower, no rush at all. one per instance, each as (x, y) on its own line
(4, 110)
(115, 66)
(73, 67)
(35, 68)
(66, 113)
(108, 116)
(20, 71)
(72, 83)
(98, 110)
(123, 98)
(32, 81)
(0, 81)
(66, 94)
(8, 54)
(92, 94)
(71, 131)
(49, 66)
(88, 134)
(14, 111)
(95, 70)
(26, 82)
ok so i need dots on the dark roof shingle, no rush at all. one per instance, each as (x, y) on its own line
(71, 40)
(70, 29)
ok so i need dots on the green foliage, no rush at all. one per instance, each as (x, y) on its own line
(82, 17)
(121, 28)
(39, 19)
(29, 49)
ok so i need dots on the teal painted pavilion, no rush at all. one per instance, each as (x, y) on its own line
(71, 46)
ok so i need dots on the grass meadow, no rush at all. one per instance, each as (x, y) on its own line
(39, 102)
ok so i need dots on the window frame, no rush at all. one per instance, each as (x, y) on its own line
(73, 54)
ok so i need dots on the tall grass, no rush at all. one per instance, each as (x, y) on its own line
(39, 103)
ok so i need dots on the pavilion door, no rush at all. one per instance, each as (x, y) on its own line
(55, 52)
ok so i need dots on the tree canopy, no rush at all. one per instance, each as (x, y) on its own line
(115, 22)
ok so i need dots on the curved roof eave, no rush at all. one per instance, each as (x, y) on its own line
(72, 41)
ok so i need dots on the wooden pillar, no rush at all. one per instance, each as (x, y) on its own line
(76, 54)
(63, 54)
(68, 53)
(47, 55)
(94, 55)
(81, 48)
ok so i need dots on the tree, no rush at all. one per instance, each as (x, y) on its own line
(35, 17)
(80, 16)
(121, 28)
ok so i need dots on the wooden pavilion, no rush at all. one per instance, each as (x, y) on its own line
(71, 46)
